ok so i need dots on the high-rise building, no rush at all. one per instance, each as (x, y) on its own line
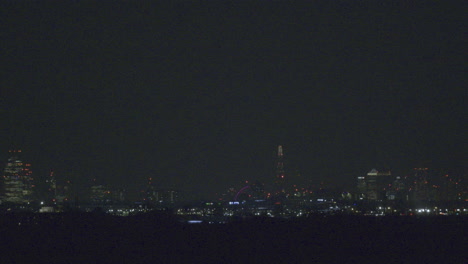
(100, 195)
(157, 196)
(280, 175)
(258, 190)
(361, 188)
(375, 185)
(162, 196)
(51, 187)
(421, 185)
(397, 190)
(18, 185)
(451, 189)
(119, 196)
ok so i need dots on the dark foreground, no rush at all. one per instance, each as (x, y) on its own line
(156, 238)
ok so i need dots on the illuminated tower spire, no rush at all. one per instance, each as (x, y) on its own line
(52, 186)
(279, 181)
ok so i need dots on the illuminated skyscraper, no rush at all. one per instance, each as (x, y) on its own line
(17, 180)
(375, 185)
(280, 175)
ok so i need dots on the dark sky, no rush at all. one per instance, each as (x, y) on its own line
(198, 95)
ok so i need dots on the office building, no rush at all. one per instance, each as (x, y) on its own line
(18, 186)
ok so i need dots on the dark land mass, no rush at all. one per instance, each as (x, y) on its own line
(162, 238)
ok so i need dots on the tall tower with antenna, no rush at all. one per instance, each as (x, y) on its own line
(280, 175)
(51, 187)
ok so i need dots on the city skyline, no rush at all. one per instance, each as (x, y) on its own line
(200, 96)
(20, 185)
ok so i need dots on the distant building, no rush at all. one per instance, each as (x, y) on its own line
(227, 195)
(280, 180)
(162, 196)
(375, 185)
(51, 183)
(397, 190)
(421, 184)
(258, 190)
(18, 186)
(119, 196)
(65, 192)
(100, 195)
(451, 189)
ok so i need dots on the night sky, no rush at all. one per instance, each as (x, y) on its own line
(198, 95)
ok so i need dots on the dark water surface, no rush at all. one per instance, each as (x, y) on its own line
(155, 238)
